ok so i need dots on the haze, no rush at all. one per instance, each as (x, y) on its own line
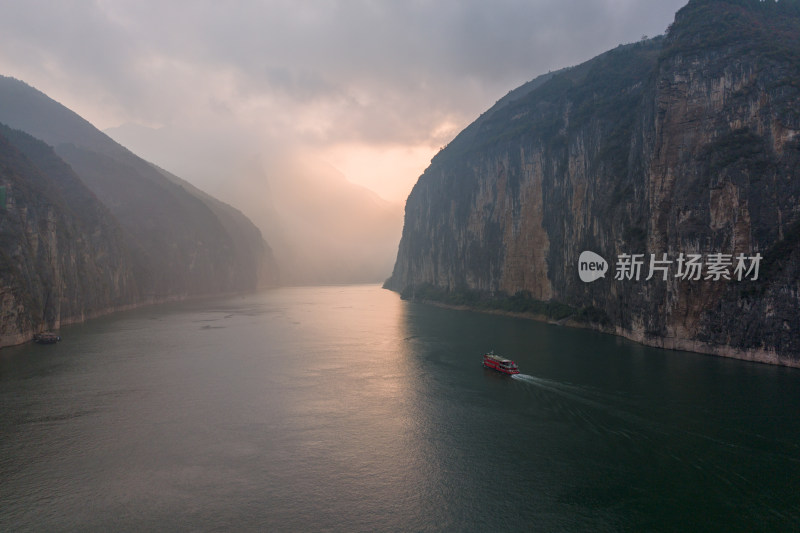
(313, 118)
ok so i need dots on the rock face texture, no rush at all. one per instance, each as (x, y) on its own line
(63, 257)
(87, 227)
(679, 145)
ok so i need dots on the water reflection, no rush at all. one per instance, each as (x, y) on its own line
(345, 408)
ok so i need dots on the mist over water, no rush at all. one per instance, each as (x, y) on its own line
(347, 409)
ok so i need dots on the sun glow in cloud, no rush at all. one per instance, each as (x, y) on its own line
(375, 87)
(390, 171)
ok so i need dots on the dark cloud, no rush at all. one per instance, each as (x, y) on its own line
(400, 72)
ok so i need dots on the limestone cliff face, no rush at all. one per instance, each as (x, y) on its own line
(63, 258)
(684, 144)
(87, 227)
(187, 242)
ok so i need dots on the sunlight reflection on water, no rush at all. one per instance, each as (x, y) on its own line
(345, 408)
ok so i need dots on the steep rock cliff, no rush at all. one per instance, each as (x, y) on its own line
(87, 227)
(190, 243)
(63, 257)
(684, 144)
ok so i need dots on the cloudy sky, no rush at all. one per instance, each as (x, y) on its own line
(373, 88)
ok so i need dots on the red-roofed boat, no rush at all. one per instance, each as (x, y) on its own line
(501, 364)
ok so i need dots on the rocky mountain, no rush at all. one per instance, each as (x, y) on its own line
(89, 227)
(63, 256)
(675, 158)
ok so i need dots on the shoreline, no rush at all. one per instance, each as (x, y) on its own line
(665, 343)
(21, 338)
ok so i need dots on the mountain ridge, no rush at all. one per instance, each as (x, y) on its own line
(149, 204)
(89, 227)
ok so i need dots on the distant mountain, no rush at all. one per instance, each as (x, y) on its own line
(189, 249)
(324, 229)
(321, 227)
(683, 145)
(170, 239)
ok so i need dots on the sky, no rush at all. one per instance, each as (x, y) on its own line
(372, 88)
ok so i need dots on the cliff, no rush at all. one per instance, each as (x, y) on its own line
(63, 257)
(190, 243)
(87, 227)
(683, 144)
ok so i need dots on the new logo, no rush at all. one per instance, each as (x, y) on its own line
(591, 267)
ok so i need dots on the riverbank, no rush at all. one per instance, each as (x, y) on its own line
(667, 343)
(8, 339)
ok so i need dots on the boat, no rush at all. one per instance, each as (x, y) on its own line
(501, 364)
(46, 338)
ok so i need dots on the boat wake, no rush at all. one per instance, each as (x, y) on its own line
(587, 397)
(564, 389)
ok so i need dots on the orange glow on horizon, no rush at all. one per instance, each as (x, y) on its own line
(390, 171)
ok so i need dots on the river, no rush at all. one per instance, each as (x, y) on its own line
(348, 409)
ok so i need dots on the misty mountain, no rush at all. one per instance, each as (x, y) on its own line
(87, 227)
(684, 144)
(191, 243)
(321, 227)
